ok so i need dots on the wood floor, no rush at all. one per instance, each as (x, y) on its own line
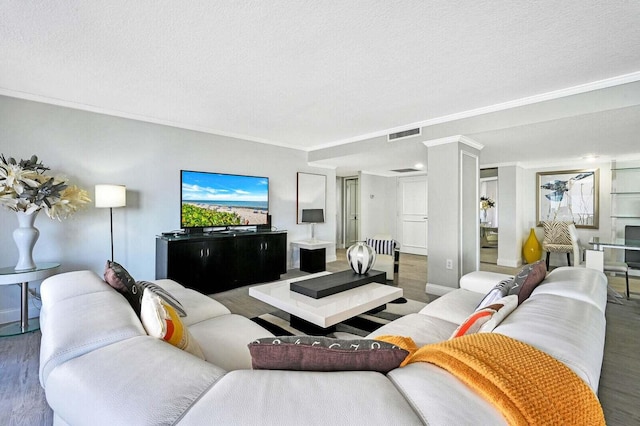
(22, 400)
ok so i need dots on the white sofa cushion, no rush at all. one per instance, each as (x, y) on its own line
(283, 398)
(71, 284)
(423, 329)
(134, 382)
(224, 340)
(198, 306)
(78, 325)
(454, 306)
(569, 330)
(482, 281)
(582, 284)
(441, 399)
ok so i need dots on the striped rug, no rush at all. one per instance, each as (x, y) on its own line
(277, 322)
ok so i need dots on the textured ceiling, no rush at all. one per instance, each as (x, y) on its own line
(308, 74)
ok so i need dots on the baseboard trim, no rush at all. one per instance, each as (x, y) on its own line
(437, 289)
(12, 315)
(509, 262)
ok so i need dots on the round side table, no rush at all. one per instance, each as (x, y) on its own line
(8, 276)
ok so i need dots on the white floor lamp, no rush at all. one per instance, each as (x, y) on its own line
(111, 196)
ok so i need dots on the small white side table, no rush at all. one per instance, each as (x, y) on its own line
(312, 255)
(8, 275)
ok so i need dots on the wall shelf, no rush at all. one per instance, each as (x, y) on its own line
(625, 196)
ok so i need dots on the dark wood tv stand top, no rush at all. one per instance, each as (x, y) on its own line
(178, 236)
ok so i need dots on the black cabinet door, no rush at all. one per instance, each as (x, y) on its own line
(185, 263)
(249, 252)
(219, 270)
(261, 258)
(274, 258)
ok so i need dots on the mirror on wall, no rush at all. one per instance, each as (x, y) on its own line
(312, 190)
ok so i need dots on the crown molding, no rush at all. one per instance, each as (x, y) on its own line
(137, 117)
(556, 94)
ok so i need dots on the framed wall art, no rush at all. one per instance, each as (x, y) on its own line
(568, 195)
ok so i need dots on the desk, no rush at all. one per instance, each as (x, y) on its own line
(8, 276)
(595, 257)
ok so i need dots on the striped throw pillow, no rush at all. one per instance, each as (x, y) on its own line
(162, 321)
(382, 246)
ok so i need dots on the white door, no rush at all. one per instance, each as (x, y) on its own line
(412, 214)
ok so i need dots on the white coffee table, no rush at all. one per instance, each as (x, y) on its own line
(327, 311)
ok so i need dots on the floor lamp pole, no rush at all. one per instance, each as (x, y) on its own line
(111, 221)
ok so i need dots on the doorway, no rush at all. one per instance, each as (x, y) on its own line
(351, 211)
(489, 226)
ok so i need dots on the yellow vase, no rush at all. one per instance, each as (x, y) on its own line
(532, 250)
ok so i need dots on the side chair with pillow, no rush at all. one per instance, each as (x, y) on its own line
(557, 239)
(387, 255)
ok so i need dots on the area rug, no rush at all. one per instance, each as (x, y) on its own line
(277, 322)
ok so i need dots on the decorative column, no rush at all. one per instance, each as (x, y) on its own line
(454, 233)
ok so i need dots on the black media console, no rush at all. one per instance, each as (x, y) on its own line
(215, 262)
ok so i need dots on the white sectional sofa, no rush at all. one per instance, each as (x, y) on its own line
(98, 366)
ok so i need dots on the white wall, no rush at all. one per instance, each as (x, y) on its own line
(511, 211)
(92, 148)
(377, 205)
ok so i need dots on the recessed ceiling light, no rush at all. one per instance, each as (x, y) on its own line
(590, 157)
(418, 166)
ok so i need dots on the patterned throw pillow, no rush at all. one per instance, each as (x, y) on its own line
(119, 278)
(528, 279)
(496, 293)
(162, 321)
(487, 318)
(313, 353)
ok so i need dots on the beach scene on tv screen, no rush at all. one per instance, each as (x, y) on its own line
(211, 199)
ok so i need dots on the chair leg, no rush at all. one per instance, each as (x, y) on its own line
(626, 275)
(568, 259)
(548, 254)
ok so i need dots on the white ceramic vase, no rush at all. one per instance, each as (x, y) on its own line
(25, 237)
(361, 257)
(483, 216)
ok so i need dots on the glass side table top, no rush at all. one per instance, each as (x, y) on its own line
(618, 243)
(44, 266)
(8, 275)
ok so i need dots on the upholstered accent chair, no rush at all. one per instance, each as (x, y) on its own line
(557, 239)
(387, 255)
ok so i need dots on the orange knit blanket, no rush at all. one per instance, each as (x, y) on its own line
(527, 385)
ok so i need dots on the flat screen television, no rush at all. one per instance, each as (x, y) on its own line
(209, 200)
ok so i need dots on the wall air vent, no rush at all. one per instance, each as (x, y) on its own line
(404, 134)
(405, 170)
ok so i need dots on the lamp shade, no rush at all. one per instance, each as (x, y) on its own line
(111, 196)
(312, 215)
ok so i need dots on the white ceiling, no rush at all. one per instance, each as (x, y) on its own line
(560, 77)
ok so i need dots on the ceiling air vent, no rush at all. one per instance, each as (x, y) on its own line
(405, 170)
(403, 134)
